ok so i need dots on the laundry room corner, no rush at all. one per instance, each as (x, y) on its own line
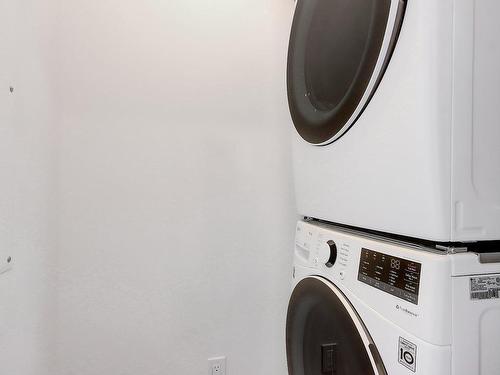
(176, 210)
(249, 187)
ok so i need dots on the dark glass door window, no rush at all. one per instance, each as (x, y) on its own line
(322, 337)
(334, 49)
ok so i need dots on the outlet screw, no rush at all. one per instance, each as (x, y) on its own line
(11, 89)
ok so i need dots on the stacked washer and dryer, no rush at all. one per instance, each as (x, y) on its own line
(396, 155)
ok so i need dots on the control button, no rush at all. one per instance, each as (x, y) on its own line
(323, 252)
(333, 254)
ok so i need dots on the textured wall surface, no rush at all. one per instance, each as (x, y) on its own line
(27, 187)
(176, 214)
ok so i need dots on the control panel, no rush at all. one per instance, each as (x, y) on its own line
(316, 247)
(393, 275)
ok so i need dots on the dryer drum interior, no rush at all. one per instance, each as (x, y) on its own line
(324, 335)
(338, 53)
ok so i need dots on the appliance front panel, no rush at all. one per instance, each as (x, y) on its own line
(418, 307)
(401, 352)
(338, 53)
(391, 171)
(324, 334)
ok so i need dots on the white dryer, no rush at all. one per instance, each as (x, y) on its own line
(364, 305)
(396, 104)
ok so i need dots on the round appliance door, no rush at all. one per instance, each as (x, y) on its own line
(338, 53)
(324, 334)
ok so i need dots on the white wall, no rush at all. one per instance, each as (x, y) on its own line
(27, 192)
(176, 214)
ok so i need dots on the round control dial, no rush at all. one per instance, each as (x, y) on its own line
(328, 253)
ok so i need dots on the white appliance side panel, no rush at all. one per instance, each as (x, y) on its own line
(476, 136)
(469, 264)
(476, 331)
(391, 171)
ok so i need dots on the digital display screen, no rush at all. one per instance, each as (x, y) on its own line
(396, 276)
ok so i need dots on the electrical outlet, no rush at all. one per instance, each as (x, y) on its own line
(217, 366)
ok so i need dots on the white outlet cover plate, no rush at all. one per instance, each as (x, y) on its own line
(217, 361)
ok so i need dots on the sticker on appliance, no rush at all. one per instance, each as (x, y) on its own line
(407, 354)
(486, 287)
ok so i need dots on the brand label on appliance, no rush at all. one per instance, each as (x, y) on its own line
(486, 287)
(407, 354)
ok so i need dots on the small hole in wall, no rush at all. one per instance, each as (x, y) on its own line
(11, 89)
(9, 259)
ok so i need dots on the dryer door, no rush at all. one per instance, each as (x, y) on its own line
(338, 53)
(324, 334)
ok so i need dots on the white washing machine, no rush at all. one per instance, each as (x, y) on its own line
(366, 305)
(396, 104)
